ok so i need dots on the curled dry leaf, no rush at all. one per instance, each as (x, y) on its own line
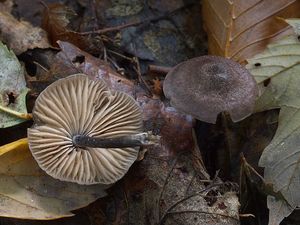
(239, 29)
(29, 193)
(21, 35)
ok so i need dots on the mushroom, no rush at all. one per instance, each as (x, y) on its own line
(84, 132)
(209, 85)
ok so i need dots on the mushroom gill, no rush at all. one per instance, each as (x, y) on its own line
(74, 106)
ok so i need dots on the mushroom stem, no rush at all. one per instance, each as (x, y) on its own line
(134, 140)
(25, 116)
(229, 139)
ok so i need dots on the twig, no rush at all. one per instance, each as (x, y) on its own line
(120, 55)
(140, 78)
(162, 70)
(251, 168)
(162, 220)
(190, 183)
(246, 215)
(41, 66)
(136, 23)
(111, 29)
(165, 183)
(203, 212)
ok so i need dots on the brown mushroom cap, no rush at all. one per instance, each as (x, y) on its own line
(208, 85)
(77, 105)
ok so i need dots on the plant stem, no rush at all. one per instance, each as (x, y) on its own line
(25, 116)
(133, 140)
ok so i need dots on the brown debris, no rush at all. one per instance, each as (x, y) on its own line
(21, 35)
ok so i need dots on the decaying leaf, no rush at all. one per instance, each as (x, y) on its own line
(21, 35)
(29, 193)
(71, 60)
(239, 29)
(277, 70)
(12, 87)
(56, 22)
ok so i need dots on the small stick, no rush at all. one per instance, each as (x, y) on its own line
(25, 116)
(162, 70)
(111, 29)
(134, 140)
(139, 73)
(136, 23)
(120, 55)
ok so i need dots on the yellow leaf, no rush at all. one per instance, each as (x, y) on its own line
(29, 193)
(21, 144)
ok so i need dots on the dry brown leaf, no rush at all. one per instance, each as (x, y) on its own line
(56, 22)
(239, 29)
(21, 35)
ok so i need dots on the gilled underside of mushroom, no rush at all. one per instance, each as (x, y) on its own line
(78, 106)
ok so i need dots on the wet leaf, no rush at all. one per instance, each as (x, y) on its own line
(239, 29)
(27, 192)
(277, 70)
(12, 87)
(23, 36)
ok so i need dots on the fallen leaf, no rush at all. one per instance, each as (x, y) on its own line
(278, 210)
(239, 29)
(12, 87)
(277, 70)
(19, 144)
(56, 22)
(27, 192)
(72, 60)
(21, 35)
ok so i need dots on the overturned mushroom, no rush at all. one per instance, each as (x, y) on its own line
(84, 132)
(208, 85)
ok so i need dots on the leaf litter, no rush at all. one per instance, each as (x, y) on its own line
(175, 128)
(279, 64)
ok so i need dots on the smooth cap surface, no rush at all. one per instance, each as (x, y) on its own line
(77, 105)
(208, 85)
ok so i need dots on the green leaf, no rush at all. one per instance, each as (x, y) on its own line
(277, 70)
(13, 88)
